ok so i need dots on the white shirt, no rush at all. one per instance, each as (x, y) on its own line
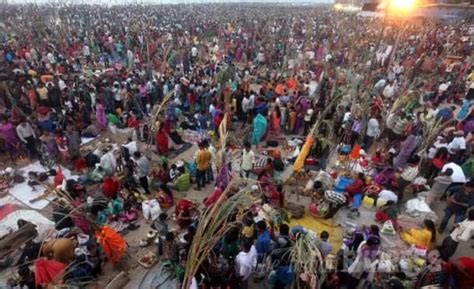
(61, 84)
(463, 231)
(458, 174)
(252, 101)
(457, 144)
(372, 127)
(244, 262)
(131, 146)
(248, 158)
(245, 104)
(51, 58)
(194, 51)
(388, 196)
(436, 146)
(86, 50)
(380, 84)
(347, 117)
(25, 132)
(388, 91)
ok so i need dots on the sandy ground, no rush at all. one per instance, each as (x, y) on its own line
(137, 272)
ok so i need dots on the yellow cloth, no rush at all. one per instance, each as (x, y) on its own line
(248, 232)
(299, 163)
(318, 225)
(417, 237)
(203, 158)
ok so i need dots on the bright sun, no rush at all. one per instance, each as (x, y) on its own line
(402, 4)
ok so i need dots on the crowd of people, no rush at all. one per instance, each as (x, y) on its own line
(376, 110)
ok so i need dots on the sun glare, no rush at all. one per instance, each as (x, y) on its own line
(402, 4)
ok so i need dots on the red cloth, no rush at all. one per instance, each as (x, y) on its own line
(5, 210)
(133, 122)
(356, 187)
(213, 197)
(59, 177)
(80, 164)
(183, 205)
(466, 280)
(110, 187)
(162, 142)
(47, 271)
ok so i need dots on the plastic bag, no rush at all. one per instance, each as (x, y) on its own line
(146, 210)
(388, 228)
(155, 209)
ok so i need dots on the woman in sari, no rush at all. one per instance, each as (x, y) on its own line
(275, 121)
(7, 134)
(161, 138)
(100, 115)
(259, 129)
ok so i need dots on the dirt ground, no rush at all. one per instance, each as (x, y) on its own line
(137, 272)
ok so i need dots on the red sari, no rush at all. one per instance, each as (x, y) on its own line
(162, 142)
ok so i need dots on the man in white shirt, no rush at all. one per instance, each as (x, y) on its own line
(244, 263)
(458, 174)
(86, 52)
(194, 54)
(457, 146)
(248, 160)
(245, 108)
(389, 90)
(27, 136)
(372, 132)
(462, 232)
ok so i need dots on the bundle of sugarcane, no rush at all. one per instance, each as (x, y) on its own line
(307, 261)
(430, 131)
(213, 225)
(156, 114)
(299, 163)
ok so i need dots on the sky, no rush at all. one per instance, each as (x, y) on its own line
(164, 1)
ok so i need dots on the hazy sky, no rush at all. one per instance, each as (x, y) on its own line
(165, 1)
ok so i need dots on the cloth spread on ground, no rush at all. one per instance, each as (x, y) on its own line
(317, 226)
(9, 223)
(24, 193)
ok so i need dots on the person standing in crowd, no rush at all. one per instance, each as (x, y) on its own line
(244, 263)
(248, 160)
(463, 231)
(142, 168)
(458, 203)
(203, 159)
(27, 136)
(372, 132)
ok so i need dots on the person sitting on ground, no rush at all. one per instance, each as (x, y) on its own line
(387, 212)
(425, 237)
(324, 245)
(355, 191)
(165, 196)
(186, 212)
(173, 173)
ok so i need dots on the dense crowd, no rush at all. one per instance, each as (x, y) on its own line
(372, 112)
